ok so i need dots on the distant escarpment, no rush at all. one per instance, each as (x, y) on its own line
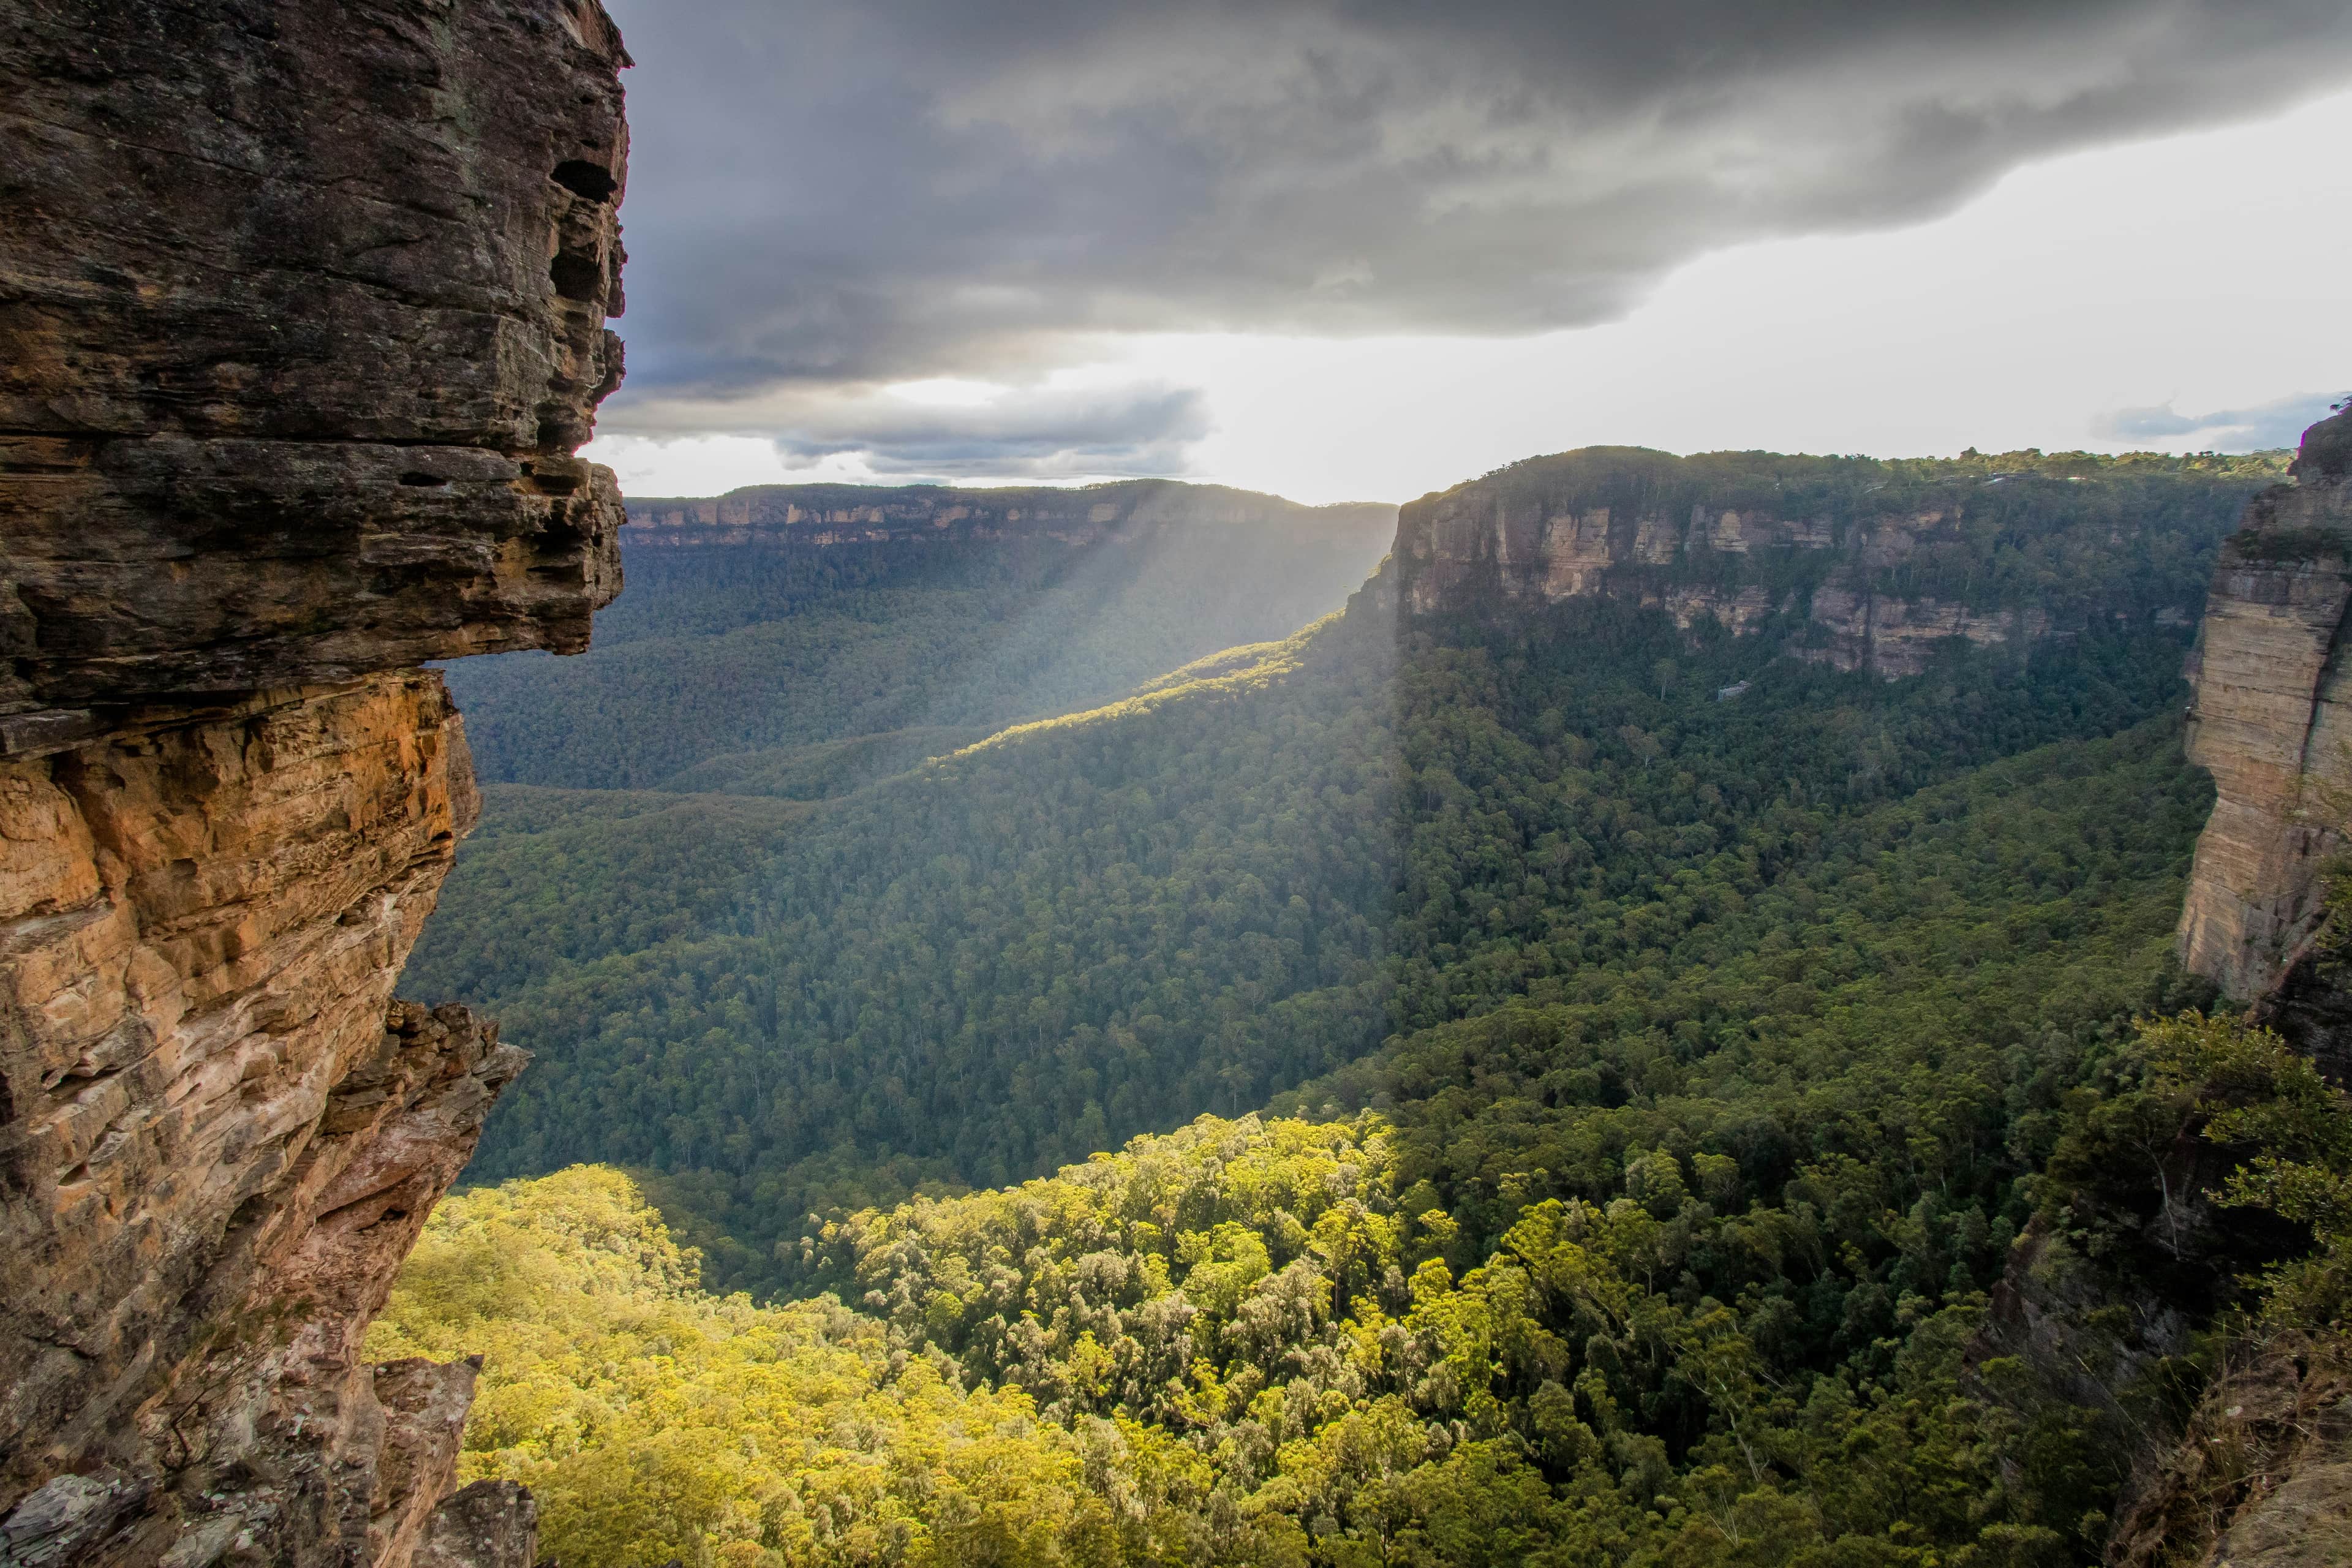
(874, 514)
(304, 321)
(783, 617)
(1857, 563)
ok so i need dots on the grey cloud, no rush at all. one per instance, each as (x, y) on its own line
(2264, 428)
(1039, 434)
(827, 194)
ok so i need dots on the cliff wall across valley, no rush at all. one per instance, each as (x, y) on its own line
(1862, 564)
(819, 515)
(899, 622)
(305, 321)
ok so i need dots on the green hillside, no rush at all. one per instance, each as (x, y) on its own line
(744, 655)
(1568, 1114)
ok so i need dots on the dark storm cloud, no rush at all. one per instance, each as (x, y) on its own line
(2263, 427)
(825, 195)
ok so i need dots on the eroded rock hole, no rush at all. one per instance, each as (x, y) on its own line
(582, 178)
(422, 480)
(576, 275)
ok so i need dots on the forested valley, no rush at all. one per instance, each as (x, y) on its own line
(795, 669)
(1543, 1084)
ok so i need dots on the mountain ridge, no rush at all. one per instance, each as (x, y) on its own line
(825, 514)
(751, 641)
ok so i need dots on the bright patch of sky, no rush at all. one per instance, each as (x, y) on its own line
(2175, 295)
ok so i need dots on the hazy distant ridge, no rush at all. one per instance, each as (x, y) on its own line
(840, 513)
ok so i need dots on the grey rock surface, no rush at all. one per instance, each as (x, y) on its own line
(302, 318)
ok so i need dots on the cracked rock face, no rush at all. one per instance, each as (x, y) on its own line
(1525, 542)
(222, 1134)
(304, 319)
(490, 1524)
(2273, 722)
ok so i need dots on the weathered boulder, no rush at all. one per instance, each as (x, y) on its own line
(490, 1524)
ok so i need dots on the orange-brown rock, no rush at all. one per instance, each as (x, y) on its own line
(304, 323)
(222, 1133)
(2273, 722)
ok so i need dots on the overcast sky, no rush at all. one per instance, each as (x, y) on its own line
(1367, 250)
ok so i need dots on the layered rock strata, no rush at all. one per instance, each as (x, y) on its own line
(222, 1134)
(1701, 539)
(2272, 721)
(2264, 1472)
(305, 319)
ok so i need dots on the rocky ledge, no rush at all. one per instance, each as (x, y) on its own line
(305, 321)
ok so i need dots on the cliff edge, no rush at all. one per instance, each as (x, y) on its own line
(2262, 1474)
(1853, 562)
(304, 323)
(2272, 719)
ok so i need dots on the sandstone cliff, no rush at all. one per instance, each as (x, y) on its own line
(304, 321)
(2262, 1474)
(1858, 563)
(2273, 722)
(305, 316)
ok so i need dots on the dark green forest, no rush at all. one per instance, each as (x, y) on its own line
(787, 988)
(1624, 1100)
(747, 658)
